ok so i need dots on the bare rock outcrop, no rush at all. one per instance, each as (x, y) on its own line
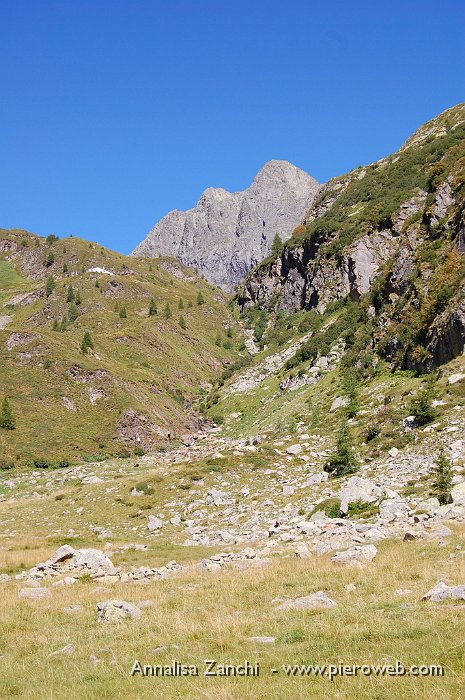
(228, 233)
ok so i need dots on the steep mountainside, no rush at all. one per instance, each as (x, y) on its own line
(391, 236)
(135, 388)
(226, 233)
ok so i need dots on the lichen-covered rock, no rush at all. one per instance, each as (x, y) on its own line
(114, 611)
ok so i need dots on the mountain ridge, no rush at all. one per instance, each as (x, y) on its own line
(226, 233)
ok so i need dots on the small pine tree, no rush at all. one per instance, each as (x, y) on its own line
(422, 405)
(49, 260)
(167, 312)
(200, 299)
(6, 417)
(49, 286)
(70, 294)
(55, 325)
(153, 308)
(181, 305)
(97, 284)
(87, 343)
(182, 322)
(63, 323)
(65, 268)
(277, 245)
(218, 340)
(122, 312)
(443, 473)
(190, 304)
(77, 298)
(73, 312)
(343, 460)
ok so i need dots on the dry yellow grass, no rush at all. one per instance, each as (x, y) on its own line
(199, 616)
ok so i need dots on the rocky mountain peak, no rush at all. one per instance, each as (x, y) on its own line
(228, 233)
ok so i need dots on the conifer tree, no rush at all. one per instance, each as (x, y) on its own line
(182, 322)
(181, 305)
(153, 310)
(343, 461)
(277, 245)
(167, 312)
(443, 474)
(87, 343)
(70, 294)
(6, 417)
(200, 299)
(122, 312)
(49, 286)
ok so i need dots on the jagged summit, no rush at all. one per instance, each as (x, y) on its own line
(228, 233)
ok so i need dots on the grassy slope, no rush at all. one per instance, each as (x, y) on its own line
(153, 366)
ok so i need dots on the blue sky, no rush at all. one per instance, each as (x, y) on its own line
(114, 112)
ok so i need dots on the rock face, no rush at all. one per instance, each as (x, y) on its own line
(228, 233)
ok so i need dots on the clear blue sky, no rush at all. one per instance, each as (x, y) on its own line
(114, 112)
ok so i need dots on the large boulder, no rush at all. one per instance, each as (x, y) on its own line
(359, 489)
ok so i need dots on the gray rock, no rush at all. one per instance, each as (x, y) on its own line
(308, 602)
(226, 234)
(294, 449)
(34, 593)
(357, 556)
(116, 611)
(154, 523)
(393, 509)
(457, 494)
(442, 592)
(262, 640)
(359, 489)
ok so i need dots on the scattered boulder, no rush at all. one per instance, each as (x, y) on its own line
(359, 489)
(356, 556)
(442, 592)
(154, 523)
(393, 509)
(457, 494)
(294, 449)
(116, 611)
(308, 602)
(34, 593)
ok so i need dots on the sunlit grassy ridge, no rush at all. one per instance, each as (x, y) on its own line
(148, 364)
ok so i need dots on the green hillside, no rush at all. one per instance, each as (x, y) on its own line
(157, 333)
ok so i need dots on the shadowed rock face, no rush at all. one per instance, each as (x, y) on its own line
(226, 234)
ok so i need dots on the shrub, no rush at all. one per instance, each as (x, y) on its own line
(51, 239)
(139, 451)
(41, 464)
(70, 294)
(181, 305)
(200, 299)
(144, 488)
(122, 312)
(167, 313)
(182, 323)
(443, 474)
(361, 508)
(371, 433)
